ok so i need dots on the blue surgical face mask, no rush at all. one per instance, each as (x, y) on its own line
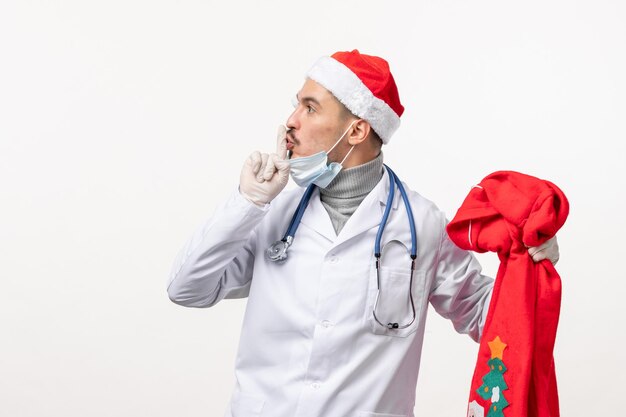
(315, 169)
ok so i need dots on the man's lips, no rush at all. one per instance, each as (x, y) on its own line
(291, 142)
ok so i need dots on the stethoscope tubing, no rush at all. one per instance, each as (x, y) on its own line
(295, 220)
(383, 221)
(393, 179)
(409, 213)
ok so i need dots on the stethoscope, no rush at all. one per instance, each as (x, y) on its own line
(277, 252)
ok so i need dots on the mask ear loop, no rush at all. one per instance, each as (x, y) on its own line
(347, 155)
(337, 143)
(344, 134)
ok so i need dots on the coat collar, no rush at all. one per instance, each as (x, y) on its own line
(367, 215)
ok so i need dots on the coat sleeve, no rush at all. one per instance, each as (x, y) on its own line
(218, 260)
(460, 292)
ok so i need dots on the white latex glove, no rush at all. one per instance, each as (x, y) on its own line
(548, 250)
(264, 175)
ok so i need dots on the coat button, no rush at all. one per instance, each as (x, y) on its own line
(327, 324)
(333, 259)
(316, 385)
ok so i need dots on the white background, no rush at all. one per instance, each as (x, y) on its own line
(124, 123)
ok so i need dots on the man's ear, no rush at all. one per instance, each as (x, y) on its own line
(359, 132)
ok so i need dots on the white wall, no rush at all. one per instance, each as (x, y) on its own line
(124, 123)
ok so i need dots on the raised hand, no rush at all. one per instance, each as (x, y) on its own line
(263, 175)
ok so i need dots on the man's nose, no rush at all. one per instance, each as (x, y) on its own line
(293, 122)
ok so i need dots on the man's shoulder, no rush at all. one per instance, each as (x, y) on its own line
(420, 201)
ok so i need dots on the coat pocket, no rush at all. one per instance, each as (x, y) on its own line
(391, 311)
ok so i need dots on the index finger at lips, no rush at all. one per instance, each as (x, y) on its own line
(281, 142)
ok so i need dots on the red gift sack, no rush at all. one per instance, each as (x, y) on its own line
(506, 213)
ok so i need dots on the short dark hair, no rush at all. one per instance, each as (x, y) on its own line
(376, 138)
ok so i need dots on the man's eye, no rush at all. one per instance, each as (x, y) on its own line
(310, 109)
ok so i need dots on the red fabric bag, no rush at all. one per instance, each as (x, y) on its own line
(514, 374)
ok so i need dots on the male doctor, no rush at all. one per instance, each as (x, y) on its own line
(311, 344)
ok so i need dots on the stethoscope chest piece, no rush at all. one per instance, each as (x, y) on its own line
(277, 252)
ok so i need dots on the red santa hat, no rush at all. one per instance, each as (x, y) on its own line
(364, 84)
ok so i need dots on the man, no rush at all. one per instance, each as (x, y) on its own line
(319, 338)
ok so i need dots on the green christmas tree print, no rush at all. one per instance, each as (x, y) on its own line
(493, 382)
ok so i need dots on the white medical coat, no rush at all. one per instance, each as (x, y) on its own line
(309, 345)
